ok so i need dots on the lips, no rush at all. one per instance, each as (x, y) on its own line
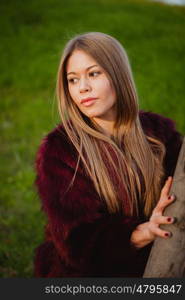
(87, 100)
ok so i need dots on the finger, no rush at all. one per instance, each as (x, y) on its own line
(165, 191)
(162, 220)
(166, 188)
(162, 204)
(161, 233)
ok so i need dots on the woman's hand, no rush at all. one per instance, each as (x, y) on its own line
(145, 233)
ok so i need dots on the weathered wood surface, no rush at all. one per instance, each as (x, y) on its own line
(167, 257)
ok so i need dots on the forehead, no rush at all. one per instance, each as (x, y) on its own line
(79, 60)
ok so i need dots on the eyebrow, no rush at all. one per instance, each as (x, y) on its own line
(86, 69)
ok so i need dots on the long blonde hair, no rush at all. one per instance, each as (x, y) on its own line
(137, 158)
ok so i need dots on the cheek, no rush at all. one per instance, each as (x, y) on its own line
(109, 91)
(105, 87)
(72, 93)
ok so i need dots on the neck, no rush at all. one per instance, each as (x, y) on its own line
(107, 126)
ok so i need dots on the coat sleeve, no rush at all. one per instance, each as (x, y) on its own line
(87, 239)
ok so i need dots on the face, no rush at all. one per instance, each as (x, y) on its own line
(89, 87)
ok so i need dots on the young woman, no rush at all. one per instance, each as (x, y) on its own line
(104, 174)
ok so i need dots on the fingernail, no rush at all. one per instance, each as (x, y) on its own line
(170, 219)
(167, 234)
(172, 197)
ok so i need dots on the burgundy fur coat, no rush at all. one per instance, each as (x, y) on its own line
(82, 239)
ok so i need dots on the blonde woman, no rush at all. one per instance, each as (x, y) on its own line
(104, 174)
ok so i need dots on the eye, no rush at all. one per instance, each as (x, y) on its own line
(72, 80)
(94, 73)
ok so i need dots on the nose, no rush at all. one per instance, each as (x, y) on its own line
(84, 85)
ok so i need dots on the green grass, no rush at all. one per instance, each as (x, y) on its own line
(32, 37)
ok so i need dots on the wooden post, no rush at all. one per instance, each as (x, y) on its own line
(167, 257)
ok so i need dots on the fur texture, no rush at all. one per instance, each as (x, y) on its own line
(82, 239)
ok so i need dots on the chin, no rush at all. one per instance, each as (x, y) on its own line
(91, 115)
(94, 114)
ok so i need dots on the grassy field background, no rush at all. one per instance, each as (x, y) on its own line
(33, 34)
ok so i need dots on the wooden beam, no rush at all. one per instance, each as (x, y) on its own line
(167, 257)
